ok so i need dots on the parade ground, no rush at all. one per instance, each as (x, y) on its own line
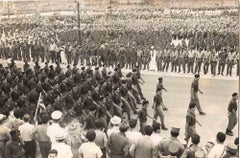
(214, 101)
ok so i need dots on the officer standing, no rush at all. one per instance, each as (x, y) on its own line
(222, 61)
(232, 114)
(194, 94)
(230, 61)
(206, 60)
(213, 61)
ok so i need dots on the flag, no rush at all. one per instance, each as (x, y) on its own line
(40, 106)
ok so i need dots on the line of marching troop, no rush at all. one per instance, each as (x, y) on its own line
(85, 113)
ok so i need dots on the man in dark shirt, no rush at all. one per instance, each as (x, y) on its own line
(157, 106)
(160, 86)
(194, 95)
(14, 148)
(232, 114)
(142, 115)
(190, 128)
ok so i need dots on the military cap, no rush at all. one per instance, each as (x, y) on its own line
(197, 76)
(56, 115)
(83, 68)
(96, 68)
(115, 120)
(129, 74)
(232, 148)
(145, 102)
(115, 69)
(234, 94)
(175, 129)
(160, 78)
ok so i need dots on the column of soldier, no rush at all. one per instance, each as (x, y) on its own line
(83, 114)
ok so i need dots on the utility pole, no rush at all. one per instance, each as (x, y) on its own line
(79, 24)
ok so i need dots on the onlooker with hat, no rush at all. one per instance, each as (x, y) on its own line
(157, 106)
(163, 146)
(118, 144)
(145, 147)
(14, 147)
(115, 121)
(194, 93)
(232, 114)
(218, 148)
(90, 149)
(26, 130)
(51, 130)
(231, 151)
(4, 135)
(64, 150)
(40, 132)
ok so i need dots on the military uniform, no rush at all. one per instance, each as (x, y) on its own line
(206, 61)
(199, 59)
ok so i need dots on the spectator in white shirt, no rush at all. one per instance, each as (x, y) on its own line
(90, 149)
(133, 135)
(115, 121)
(155, 136)
(64, 150)
(26, 130)
(51, 130)
(218, 148)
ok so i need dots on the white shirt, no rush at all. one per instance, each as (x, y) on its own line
(133, 136)
(51, 131)
(64, 150)
(90, 150)
(216, 151)
(115, 129)
(156, 138)
(26, 130)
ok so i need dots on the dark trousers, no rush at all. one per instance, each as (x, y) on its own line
(190, 65)
(232, 121)
(165, 65)
(198, 66)
(205, 67)
(221, 67)
(229, 67)
(45, 147)
(30, 149)
(184, 64)
(53, 56)
(213, 67)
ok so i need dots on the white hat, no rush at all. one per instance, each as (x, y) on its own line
(60, 135)
(56, 115)
(115, 120)
(152, 47)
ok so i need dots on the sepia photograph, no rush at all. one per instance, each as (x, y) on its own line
(119, 78)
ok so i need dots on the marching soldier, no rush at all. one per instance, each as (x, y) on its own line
(194, 95)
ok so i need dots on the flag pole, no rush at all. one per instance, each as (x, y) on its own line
(36, 111)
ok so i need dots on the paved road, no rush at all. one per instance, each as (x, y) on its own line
(214, 102)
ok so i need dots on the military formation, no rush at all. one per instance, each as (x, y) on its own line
(84, 110)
